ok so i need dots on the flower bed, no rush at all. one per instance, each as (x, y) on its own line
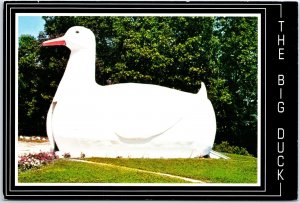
(37, 160)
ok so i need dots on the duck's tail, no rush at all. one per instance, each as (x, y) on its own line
(202, 92)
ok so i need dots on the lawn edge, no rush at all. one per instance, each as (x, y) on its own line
(140, 170)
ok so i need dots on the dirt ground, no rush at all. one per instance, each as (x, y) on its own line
(32, 147)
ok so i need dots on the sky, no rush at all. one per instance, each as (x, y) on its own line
(30, 25)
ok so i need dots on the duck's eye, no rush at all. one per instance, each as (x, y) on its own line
(77, 31)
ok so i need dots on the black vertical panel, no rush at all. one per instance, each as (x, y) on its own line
(282, 166)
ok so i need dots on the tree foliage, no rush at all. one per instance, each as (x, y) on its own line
(176, 52)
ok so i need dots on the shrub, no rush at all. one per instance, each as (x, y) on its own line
(31, 161)
(67, 155)
(224, 146)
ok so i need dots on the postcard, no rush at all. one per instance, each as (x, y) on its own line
(150, 100)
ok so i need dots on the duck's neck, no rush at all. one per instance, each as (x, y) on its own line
(81, 67)
(79, 76)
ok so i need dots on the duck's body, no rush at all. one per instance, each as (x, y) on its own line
(126, 120)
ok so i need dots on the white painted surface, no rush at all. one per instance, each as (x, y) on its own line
(217, 155)
(127, 120)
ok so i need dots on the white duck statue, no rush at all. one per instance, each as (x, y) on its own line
(124, 120)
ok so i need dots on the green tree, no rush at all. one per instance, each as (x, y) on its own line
(237, 66)
(29, 77)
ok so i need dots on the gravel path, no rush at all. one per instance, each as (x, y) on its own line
(32, 147)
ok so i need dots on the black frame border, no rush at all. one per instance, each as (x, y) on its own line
(270, 14)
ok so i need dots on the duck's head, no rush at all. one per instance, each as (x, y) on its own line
(75, 38)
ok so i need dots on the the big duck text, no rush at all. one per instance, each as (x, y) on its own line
(280, 104)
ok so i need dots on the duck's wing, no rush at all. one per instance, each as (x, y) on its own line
(142, 126)
(141, 112)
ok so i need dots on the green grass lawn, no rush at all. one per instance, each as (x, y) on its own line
(238, 169)
(67, 171)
